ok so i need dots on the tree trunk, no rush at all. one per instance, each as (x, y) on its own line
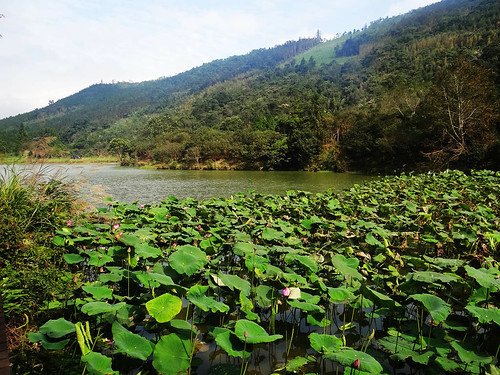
(4, 353)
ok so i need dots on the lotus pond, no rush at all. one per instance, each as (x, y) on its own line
(399, 275)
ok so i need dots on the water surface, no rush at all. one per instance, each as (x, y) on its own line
(96, 181)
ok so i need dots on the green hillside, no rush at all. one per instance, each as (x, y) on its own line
(417, 91)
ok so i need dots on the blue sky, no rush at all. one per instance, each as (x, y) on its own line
(51, 49)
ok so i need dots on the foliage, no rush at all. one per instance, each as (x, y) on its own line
(32, 271)
(403, 268)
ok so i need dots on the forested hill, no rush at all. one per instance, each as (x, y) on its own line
(99, 106)
(416, 91)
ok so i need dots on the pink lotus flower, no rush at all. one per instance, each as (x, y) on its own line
(285, 292)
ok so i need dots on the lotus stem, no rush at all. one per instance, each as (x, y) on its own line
(290, 343)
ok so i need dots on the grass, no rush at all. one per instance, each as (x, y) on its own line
(9, 159)
(323, 52)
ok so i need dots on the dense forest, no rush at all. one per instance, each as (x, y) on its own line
(417, 91)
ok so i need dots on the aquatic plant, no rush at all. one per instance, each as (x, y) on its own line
(402, 271)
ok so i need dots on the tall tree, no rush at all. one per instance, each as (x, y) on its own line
(462, 108)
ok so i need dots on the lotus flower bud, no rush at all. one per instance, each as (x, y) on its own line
(356, 364)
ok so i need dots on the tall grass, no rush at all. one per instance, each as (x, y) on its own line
(32, 206)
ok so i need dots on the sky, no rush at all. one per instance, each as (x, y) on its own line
(52, 49)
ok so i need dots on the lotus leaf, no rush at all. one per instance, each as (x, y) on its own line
(57, 328)
(196, 295)
(98, 364)
(308, 262)
(491, 314)
(346, 357)
(164, 308)
(98, 292)
(94, 308)
(73, 258)
(46, 342)
(230, 343)
(188, 260)
(130, 343)
(234, 282)
(346, 266)
(468, 354)
(325, 343)
(437, 308)
(172, 355)
(483, 277)
(252, 333)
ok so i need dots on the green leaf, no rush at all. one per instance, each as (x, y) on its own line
(437, 308)
(57, 328)
(172, 355)
(94, 308)
(196, 295)
(346, 357)
(98, 292)
(433, 277)
(188, 260)
(263, 296)
(164, 308)
(235, 282)
(346, 266)
(230, 343)
(325, 343)
(58, 241)
(98, 363)
(491, 314)
(131, 344)
(305, 306)
(253, 333)
(468, 354)
(271, 234)
(73, 258)
(98, 259)
(340, 295)
(295, 364)
(483, 278)
(308, 262)
(371, 240)
(46, 342)
(381, 299)
(141, 248)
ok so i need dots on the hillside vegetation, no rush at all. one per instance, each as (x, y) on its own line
(417, 91)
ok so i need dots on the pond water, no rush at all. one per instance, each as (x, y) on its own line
(96, 181)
